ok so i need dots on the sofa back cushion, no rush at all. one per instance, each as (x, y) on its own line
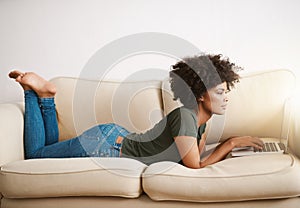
(82, 104)
(256, 106)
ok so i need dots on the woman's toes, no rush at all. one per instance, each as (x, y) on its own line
(15, 74)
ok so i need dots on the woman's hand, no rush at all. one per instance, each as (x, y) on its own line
(246, 141)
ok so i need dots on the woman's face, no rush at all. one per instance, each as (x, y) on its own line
(215, 100)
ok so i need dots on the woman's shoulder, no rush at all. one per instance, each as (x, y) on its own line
(182, 112)
(183, 109)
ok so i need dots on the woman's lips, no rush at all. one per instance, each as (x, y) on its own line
(224, 106)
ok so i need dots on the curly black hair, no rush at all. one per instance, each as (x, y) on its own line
(193, 76)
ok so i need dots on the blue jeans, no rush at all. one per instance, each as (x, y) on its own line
(41, 134)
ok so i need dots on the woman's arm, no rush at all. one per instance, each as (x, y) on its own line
(190, 152)
(224, 148)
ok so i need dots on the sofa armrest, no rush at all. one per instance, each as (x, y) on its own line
(11, 132)
(294, 131)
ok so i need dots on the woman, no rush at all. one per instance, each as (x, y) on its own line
(200, 82)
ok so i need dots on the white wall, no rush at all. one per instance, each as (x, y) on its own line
(58, 37)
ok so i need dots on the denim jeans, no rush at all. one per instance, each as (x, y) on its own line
(41, 134)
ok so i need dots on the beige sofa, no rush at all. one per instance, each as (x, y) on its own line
(260, 105)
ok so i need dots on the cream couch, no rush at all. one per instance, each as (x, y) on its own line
(260, 105)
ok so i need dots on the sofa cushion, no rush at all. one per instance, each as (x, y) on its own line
(254, 100)
(72, 177)
(234, 179)
(82, 103)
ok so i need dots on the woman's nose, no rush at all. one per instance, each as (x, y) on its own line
(226, 99)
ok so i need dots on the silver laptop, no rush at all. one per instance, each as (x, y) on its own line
(270, 147)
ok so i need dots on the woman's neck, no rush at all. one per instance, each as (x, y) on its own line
(203, 115)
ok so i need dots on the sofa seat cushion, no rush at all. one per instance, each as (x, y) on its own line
(72, 177)
(233, 179)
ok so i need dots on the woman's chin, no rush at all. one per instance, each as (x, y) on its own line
(220, 112)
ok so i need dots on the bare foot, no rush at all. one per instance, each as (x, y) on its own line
(31, 80)
(41, 86)
(17, 75)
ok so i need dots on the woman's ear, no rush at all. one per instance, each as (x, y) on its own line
(201, 99)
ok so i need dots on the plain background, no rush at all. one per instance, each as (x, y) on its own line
(58, 37)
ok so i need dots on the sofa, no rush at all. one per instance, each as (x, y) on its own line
(261, 104)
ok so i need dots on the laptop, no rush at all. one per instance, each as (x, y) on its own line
(270, 146)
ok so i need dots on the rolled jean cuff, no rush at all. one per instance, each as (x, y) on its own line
(30, 94)
(46, 102)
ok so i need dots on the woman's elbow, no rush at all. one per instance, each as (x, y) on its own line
(194, 165)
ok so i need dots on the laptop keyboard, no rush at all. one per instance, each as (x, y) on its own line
(270, 147)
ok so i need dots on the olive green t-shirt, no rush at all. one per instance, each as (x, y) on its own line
(157, 144)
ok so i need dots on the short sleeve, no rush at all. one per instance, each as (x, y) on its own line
(201, 130)
(183, 122)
